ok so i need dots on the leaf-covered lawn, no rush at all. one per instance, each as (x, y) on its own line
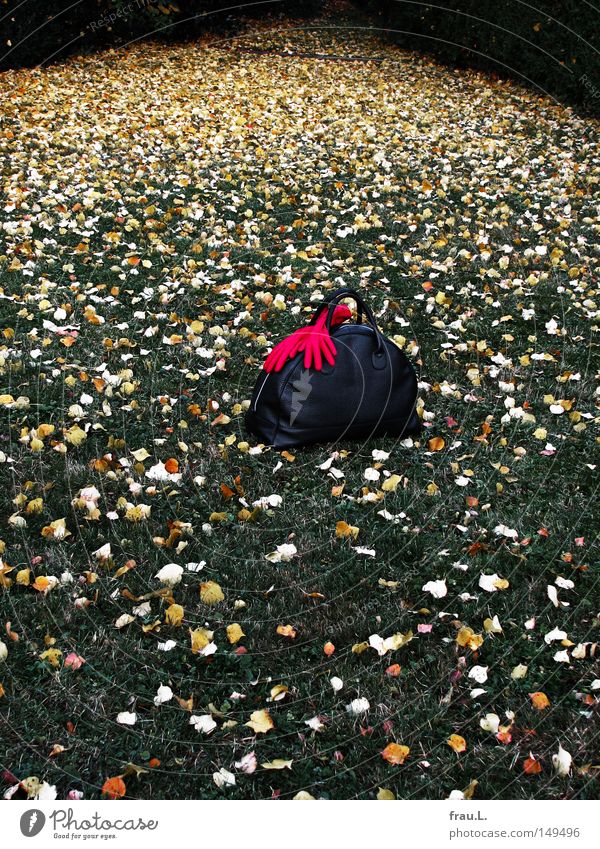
(187, 614)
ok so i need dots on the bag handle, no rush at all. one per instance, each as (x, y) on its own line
(362, 307)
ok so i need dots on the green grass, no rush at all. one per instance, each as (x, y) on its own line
(174, 139)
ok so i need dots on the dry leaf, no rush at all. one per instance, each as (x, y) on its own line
(211, 593)
(395, 754)
(260, 722)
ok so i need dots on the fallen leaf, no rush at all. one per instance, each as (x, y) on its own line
(395, 754)
(114, 788)
(260, 721)
(211, 593)
(457, 743)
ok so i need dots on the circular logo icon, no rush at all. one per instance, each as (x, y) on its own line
(32, 822)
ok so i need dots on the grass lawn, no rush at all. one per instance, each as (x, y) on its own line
(167, 213)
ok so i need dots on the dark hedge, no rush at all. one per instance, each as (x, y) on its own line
(34, 32)
(551, 45)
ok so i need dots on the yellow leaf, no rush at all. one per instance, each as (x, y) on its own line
(359, 648)
(45, 430)
(469, 791)
(395, 754)
(278, 692)
(539, 700)
(390, 484)
(211, 592)
(396, 641)
(56, 529)
(343, 529)
(286, 631)
(234, 633)
(200, 638)
(75, 435)
(23, 577)
(174, 615)
(186, 704)
(457, 743)
(277, 763)
(384, 794)
(260, 721)
(218, 517)
(53, 657)
(41, 583)
(466, 637)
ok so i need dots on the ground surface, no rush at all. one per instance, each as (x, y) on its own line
(167, 212)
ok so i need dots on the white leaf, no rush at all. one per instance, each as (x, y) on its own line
(126, 718)
(562, 656)
(438, 589)
(562, 761)
(124, 619)
(520, 671)
(282, 554)
(555, 634)
(358, 706)
(204, 723)
(490, 722)
(223, 778)
(170, 574)
(479, 674)
(488, 582)
(247, 764)
(163, 694)
(502, 530)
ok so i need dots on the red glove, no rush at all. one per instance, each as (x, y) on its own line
(313, 339)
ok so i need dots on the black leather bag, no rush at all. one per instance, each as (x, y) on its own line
(371, 390)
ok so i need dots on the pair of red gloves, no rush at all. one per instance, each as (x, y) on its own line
(314, 340)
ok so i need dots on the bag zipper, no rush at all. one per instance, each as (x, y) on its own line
(259, 391)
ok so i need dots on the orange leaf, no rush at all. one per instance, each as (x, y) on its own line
(394, 670)
(457, 743)
(395, 754)
(436, 443)
(226, 491)
(172, 466)
(343, 529)
(286, 631)
(41, 583)
(532, 766)
(114, 788)
(539, 700)
(328, 649)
